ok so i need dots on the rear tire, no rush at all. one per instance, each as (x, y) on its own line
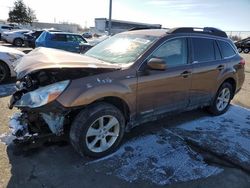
(222, 99)
(4, 72)
(18, 42)
(97, 130)
(246, 50)
(239, 50)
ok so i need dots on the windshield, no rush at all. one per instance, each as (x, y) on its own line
(122, 48)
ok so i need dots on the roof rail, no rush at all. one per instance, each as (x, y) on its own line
(205, 30)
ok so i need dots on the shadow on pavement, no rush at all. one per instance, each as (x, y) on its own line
(7, 88)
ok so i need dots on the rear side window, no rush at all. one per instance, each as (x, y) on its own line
(226, 49)
(203, 49)
(6, 27)
(59, 37)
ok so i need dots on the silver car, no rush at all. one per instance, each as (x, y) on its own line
(14, 37)
(8, 57)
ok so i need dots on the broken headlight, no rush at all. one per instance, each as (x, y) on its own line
(42, 95)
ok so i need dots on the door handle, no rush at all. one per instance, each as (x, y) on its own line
(221, 67)
(185, 74)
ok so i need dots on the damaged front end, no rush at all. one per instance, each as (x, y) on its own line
(43, 75)
(41, 115)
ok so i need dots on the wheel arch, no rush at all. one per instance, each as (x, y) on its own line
(6, 64)
(118, 103)
(17, 38)
(231, 81)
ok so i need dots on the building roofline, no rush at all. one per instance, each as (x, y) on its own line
(129, 22)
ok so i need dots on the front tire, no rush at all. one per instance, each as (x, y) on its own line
(18, 42)
(222, 99)
(97, 130)
(246, 50)
(239, 50)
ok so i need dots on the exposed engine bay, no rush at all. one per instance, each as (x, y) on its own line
(49, 76)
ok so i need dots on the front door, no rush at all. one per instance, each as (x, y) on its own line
(161, 91)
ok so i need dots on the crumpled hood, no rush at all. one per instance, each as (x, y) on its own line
(48, 58)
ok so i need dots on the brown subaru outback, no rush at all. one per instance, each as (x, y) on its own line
(126, 80)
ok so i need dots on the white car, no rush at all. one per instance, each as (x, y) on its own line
(15, 37)
(3, 28)
(7, 27)
(8, 57)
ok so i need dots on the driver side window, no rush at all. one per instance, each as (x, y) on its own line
(173, 52)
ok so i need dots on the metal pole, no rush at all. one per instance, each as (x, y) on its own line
(110, 15)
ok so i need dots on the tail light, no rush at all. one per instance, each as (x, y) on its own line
(242, 62)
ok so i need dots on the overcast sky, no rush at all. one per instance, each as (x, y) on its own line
(224, 14)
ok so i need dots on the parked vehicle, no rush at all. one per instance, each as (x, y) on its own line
(96, 40)
(15, 37)
(128, 79)
(87, 35)
(62, 40)
(243, 45)
(30, 37)
(6, 27)
(8, 57)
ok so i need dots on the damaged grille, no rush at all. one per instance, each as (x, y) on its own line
(28, 82)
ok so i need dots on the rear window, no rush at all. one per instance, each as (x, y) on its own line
(226, 49)
(41, 37)
(203, 50)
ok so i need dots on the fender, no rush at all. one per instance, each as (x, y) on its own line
(93, 89)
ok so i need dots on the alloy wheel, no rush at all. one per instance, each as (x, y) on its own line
(103, 133)
(246, 50)
(18, 42)
(223, 99)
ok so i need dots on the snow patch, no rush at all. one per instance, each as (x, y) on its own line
(227, 135)
(161, 158)
(15, 124)
(6, 138)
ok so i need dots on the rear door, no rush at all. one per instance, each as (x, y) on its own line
(207, 66)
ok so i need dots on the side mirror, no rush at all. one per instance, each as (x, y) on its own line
(157, 64)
